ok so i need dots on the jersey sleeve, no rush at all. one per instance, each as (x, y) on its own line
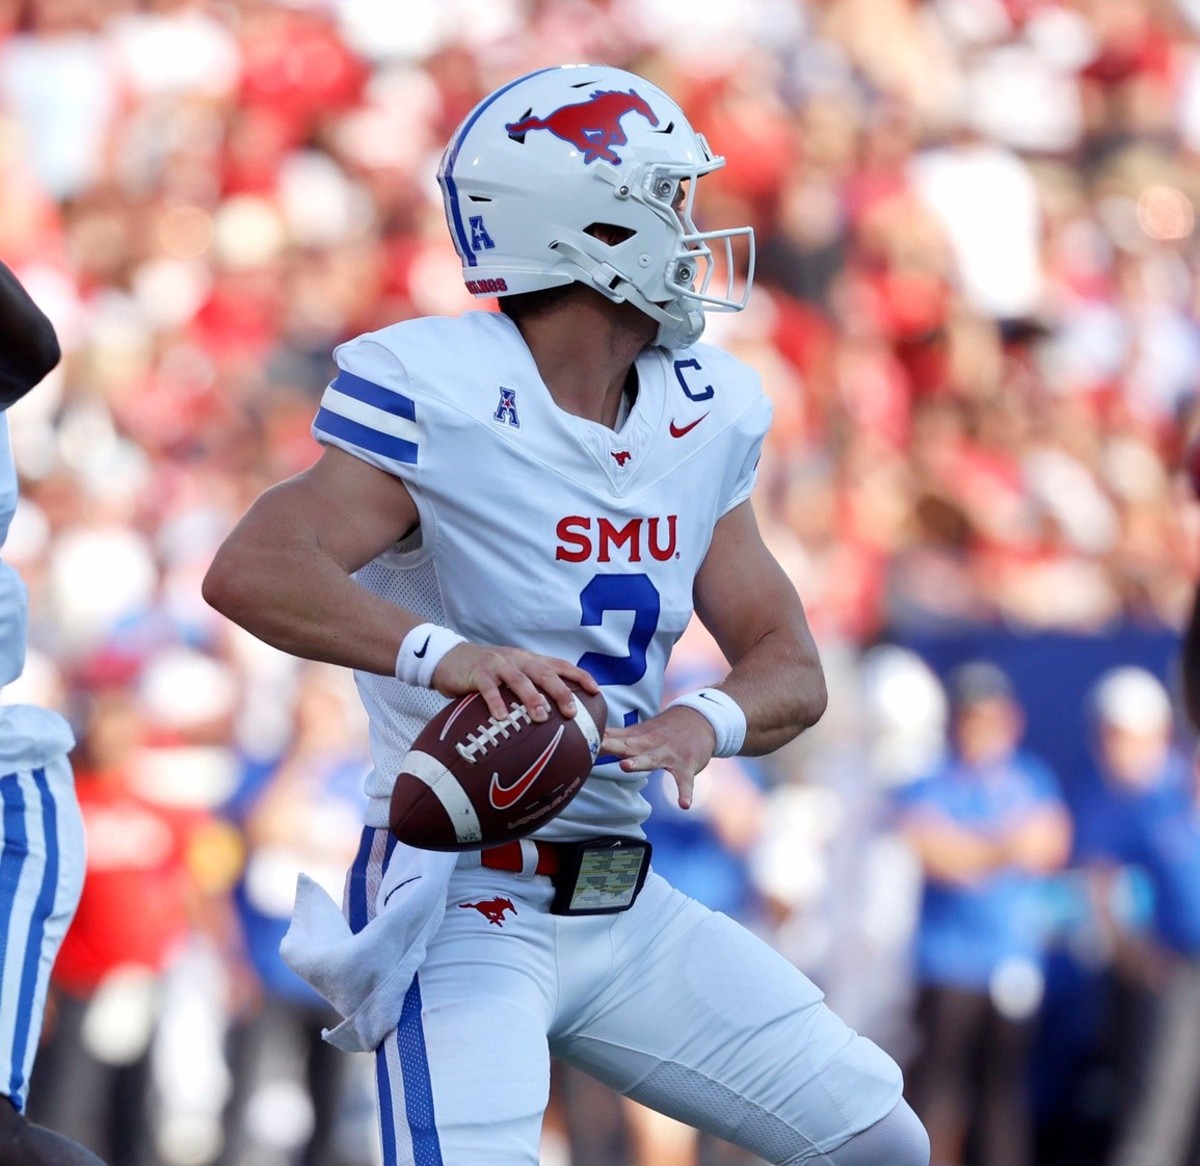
(369, 409)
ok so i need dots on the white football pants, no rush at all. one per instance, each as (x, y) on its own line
(669, 1003)
(41, 878)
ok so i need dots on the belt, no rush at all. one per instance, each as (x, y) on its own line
(510, 856)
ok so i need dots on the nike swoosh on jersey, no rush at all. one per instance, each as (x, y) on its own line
(504, 796)
(680, 430)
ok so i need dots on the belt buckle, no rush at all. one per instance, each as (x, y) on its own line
(599, 876)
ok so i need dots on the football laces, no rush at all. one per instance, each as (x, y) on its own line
(484, 737)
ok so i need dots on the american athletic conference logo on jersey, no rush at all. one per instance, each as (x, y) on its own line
(581, 538)
(593, 126)
(506, 408)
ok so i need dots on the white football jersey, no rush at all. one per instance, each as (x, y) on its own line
(13, 599)
(540, 529)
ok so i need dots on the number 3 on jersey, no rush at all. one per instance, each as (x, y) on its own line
(633, 593)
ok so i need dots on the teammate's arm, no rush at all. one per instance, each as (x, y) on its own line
(284, 574)
(745, 599)
(28, 347)
(1190, 662)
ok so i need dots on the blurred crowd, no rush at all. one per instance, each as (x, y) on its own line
(975, 312)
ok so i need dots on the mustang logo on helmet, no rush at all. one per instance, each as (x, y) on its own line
(593, 126)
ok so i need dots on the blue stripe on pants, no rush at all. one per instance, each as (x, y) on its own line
(13, 852)
(418, 1089)
(42, 911)
(410, 1036)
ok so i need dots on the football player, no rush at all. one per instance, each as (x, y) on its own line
(535, 497)
(41, 829)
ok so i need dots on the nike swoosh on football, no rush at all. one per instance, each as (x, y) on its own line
(504, 796)
(680, 430)
(424, 648)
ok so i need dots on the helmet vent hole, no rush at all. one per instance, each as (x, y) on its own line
(609, 233)
(520, 138)
(478, 198)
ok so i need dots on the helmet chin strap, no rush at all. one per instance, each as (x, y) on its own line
(679, 324)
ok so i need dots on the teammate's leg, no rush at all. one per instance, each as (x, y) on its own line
(703, 1021)
(41, 877)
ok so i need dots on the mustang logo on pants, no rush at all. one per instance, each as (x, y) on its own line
(492, 909)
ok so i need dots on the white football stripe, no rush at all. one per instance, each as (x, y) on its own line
(587, 726)
(377, 419)
(446, 789)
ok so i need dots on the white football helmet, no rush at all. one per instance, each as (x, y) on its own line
(552, 154)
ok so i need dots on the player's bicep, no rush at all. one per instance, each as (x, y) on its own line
(340, 507)
(358, 510)
(742, 594)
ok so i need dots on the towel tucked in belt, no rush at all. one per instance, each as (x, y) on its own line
(365, 976)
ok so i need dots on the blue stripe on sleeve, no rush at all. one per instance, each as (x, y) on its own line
(384, 444)
(42, 911)
(370, 393)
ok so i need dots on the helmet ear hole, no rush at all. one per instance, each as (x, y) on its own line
(609, 233)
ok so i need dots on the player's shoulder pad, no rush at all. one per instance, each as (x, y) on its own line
(429, 357)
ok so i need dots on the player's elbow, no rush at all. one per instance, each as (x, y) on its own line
(813, 695)
(45, 352)
(816, 697)
(226, 588)
(30, 363)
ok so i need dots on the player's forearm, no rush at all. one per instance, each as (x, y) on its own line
(28, 346)
(780, 686)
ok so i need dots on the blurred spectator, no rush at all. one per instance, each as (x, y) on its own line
(987, 827)
(1146, 827)
(841, 884)
(291, 1093)
(1137, 772)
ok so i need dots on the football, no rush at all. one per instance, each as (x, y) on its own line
(471, 781)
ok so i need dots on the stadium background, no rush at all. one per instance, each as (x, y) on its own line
(975, 314)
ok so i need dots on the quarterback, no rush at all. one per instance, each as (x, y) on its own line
(542, 497)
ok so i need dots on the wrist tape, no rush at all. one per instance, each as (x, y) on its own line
(421, 652)
(721, 711)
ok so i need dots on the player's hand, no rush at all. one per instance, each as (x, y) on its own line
(534, 679)
(678, 740)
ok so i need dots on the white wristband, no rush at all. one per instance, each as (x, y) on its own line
(721, 711)
(421, 652)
